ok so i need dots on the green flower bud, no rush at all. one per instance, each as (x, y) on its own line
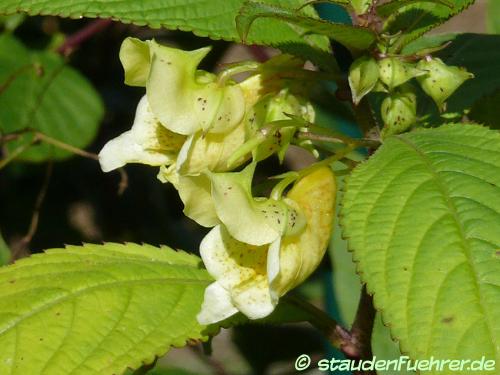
(399, 111)
(363, 76)
(441, 80)
(394, 72)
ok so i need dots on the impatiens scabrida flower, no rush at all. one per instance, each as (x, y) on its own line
(441, 80)
(191, 123)
(182, 97)
(251, 279)
(147, 142)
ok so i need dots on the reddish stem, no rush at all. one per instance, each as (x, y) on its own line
(82, 35)
(258, 52)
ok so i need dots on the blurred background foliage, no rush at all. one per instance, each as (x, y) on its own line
(68, 85)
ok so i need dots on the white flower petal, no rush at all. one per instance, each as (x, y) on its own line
(216, 305)
(147, 142)
(239, 268)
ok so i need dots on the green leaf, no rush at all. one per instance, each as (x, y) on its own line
(353, 37)
(416, 19)
(12, 22)
(386, 9)
(487, 111)
(493, 19)
(98, 309)
(346, 282)
(422, 216)
(39, 91)
(214, 19)
(5, 253)
(384, 348)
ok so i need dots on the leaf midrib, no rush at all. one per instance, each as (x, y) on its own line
(453, 210)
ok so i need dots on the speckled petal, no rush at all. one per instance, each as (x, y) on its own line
(256, 221)
(239, 268)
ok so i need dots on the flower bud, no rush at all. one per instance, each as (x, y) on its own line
(399, 111)
(394, 72)
(441, 80)
(363, 76)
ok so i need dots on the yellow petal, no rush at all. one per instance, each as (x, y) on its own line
(210, 151)
(256, 221)
(315, 195)
(195, 194)
(134, 56)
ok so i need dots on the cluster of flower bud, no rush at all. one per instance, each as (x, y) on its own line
(196, 127)
(392, 75)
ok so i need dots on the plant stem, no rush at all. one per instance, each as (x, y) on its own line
(337, 335)
(65, 146)
(336, 139)
(82, 35)
(354, 343)
(38, 136)
(361, 331)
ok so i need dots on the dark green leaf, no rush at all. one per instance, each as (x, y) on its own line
(40, 91)
(487, 110)
(214, 19)
(386, 9)
(5, 252)
(416, 19)
(354, 38)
